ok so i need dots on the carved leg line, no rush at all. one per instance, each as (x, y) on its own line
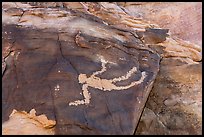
(125, 77)
(86, 99)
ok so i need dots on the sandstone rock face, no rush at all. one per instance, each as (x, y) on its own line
(89, 77)
(175, 103)
(29, 122)
(184, 19)
(177, 48)
(89, 68)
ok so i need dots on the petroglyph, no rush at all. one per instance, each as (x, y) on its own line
(57, 88)
(104, 84)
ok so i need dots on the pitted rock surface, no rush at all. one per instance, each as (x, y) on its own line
(47, 55)
(174, 106)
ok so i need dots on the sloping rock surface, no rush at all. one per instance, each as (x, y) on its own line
(174, 106)
(89, 77)
(184, 19)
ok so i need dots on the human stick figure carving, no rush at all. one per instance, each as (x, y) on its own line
(104, 84)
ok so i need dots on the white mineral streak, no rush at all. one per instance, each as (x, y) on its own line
(17, 55)
(82, 25)
(104, 84)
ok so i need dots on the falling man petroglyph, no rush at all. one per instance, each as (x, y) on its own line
(103, 84)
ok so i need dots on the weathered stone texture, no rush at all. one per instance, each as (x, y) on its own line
(184, 19)
(53, 48)
(89, 68)
(175, 102)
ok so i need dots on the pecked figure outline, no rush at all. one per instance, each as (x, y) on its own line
(103, 84)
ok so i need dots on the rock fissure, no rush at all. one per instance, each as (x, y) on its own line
(109, 112)
(15, 71)
(53, 103)
(21, 16)
(60, 47)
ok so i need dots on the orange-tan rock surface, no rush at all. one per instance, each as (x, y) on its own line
(184, 19)
(178, 48)
(23, 123)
